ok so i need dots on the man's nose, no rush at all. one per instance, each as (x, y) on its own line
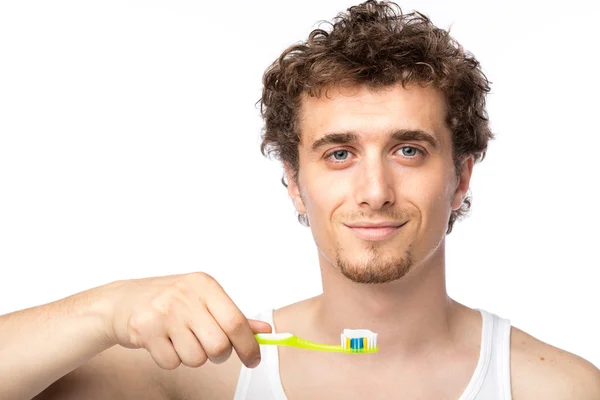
(375, 184)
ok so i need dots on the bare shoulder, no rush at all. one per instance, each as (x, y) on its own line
(542, 371)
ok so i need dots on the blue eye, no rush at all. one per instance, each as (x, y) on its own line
(409, 151)
(340, 155)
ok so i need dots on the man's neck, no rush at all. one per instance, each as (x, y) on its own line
(411, 316)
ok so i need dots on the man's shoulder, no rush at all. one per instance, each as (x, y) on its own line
(542, 371)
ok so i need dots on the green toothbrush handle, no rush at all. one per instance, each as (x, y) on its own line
(287, 339)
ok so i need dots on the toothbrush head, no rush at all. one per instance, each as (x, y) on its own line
(359, 341)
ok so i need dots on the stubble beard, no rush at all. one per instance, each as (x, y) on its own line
(374, 266)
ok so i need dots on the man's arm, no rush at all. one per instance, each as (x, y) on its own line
(177, 319)
(542, 371)
(63, 343)
(116, 373)
(41, 344)
(584, 380)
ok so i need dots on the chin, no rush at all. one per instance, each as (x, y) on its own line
(375, 268)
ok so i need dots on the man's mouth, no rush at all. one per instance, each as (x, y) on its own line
(375, 231)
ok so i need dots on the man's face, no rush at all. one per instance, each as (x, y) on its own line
(376, 178)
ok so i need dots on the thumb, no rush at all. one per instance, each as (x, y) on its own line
(260, 326)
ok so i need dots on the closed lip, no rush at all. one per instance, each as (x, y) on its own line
(382, 224)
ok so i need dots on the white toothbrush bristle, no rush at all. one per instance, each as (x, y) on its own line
(358, 340)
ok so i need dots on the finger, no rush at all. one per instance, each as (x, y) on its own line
(260, 326)
(235, 325)
(162, 351)
(187, 346)
(214, 341)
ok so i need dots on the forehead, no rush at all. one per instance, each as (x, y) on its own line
(371, 112)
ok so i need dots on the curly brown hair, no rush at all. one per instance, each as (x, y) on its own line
(377, 45)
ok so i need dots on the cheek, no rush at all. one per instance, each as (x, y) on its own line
(324, 194)
(323, 197)
(430, 192)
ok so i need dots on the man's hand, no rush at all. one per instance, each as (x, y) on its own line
(178, 319)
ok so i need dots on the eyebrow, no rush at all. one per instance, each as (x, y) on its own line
(400, 136)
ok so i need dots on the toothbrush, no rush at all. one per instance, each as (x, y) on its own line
(359, 341)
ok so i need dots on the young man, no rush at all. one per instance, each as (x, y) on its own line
(378, 123)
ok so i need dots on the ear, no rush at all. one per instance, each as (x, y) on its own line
(294, 189)
(463, 183)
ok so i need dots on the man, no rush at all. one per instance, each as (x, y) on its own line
(378, 123)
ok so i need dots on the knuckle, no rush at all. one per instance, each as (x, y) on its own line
(202, 278)
(201, 360)
(219, 352)
(168, 361)
(190, 288)
(183, 287)
(235, 325)
(195, 286)
(196, 360)
(140, 325)
(170, 364)
(167, 304)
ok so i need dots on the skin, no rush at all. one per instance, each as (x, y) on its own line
(395, 287)
(376, 177)
(377, 181)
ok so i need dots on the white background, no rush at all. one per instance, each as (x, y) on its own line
(129, 147)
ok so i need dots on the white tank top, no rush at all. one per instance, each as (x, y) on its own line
(490, 381)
